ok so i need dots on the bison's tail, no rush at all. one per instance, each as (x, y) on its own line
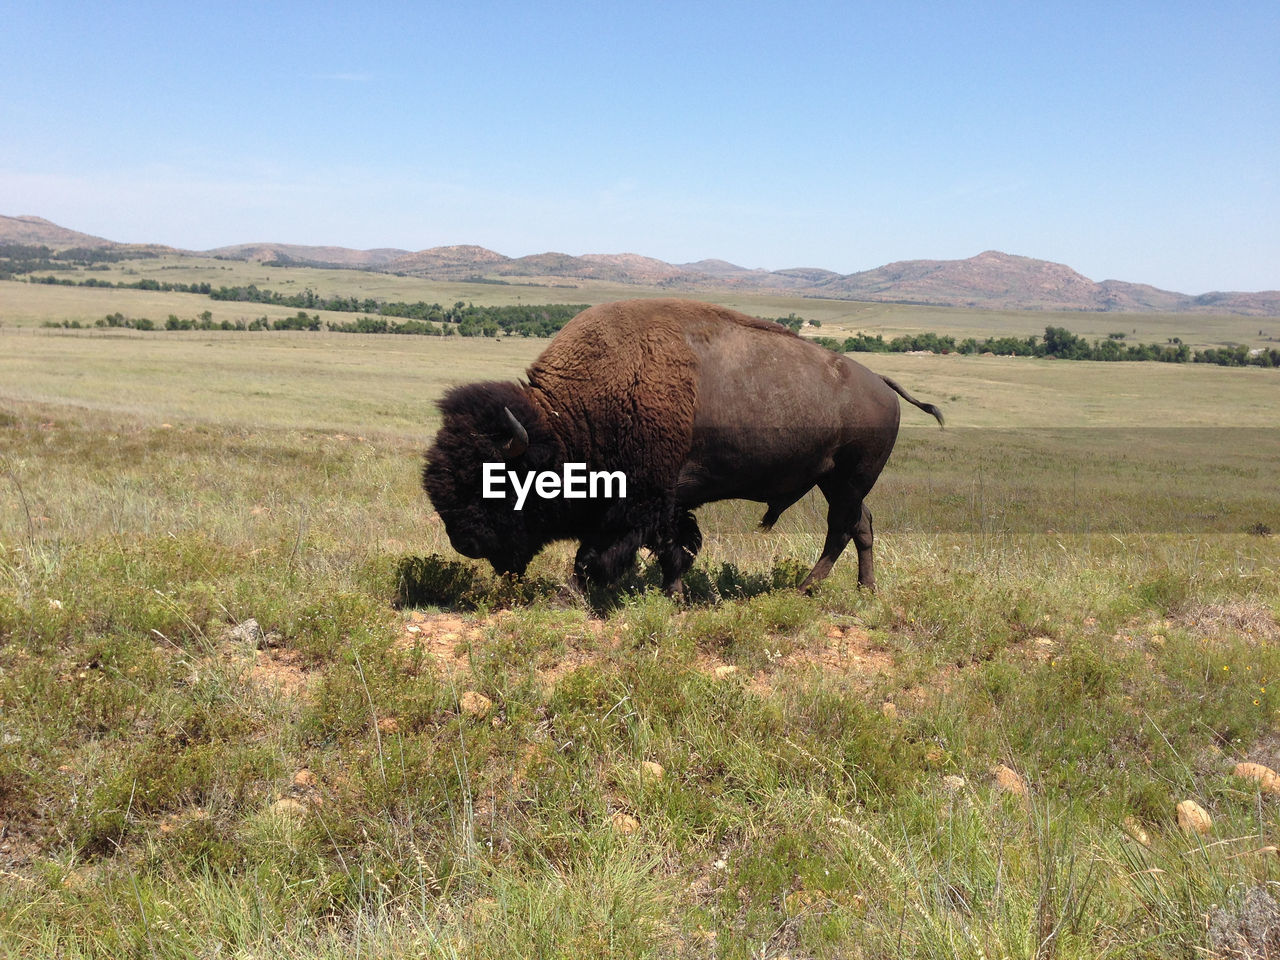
(926, 407)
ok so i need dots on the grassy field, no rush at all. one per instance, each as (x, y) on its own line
(1076, 630)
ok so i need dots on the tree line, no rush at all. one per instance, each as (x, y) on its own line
(24, 258)
(468, 320)
(463, 320)
(1057, 343)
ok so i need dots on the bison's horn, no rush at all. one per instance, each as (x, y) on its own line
(519, 441)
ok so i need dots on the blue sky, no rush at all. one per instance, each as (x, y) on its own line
(1134, 141)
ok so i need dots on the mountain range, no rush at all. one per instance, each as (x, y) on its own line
(990, 280)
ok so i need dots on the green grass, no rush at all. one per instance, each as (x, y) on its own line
(1066, 588)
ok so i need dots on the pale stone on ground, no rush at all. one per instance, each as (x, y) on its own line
(475, 704)
(1193, 818)
(1008, 780)
(624, 823)
(1134, 829)
(1267, 778)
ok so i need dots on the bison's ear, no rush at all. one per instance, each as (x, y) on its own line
(519, 441)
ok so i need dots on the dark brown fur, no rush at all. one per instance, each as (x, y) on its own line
(695, 403)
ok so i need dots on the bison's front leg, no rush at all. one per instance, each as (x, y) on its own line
(601, 561)
(676, 553)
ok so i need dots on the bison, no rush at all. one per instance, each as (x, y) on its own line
(692, 403)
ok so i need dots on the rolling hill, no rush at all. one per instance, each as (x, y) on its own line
(990, 280)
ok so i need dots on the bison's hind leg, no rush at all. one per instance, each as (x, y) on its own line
(847, 519)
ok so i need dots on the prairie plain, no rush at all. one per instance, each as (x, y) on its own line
(1076, 630)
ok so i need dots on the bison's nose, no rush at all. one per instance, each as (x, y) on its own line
(468, 547)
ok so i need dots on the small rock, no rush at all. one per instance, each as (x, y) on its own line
(624, 823)
(247, 632)
(1193, 818)
(1134, 829)
(475, 704)
(725, 670)
(55, 604)
(1267, 778)
(650, 769)
(1009, 780)
(288, 807)
(389, 725)
(953, 783)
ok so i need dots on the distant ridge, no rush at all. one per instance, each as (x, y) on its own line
(40, 232)
(991, 280)
(295, 253)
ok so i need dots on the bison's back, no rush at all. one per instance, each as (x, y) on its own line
(775, 413)
(727, 404)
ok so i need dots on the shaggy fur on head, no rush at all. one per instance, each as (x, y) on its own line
(474, 432)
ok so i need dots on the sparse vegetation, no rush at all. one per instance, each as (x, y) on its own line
(1094, 609)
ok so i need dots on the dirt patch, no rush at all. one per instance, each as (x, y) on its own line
(445, 637)
(449, 639)
(283, 671)
(581, 655)
(260, 661)
(847, 651)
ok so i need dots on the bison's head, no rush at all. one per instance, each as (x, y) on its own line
(488, 423)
